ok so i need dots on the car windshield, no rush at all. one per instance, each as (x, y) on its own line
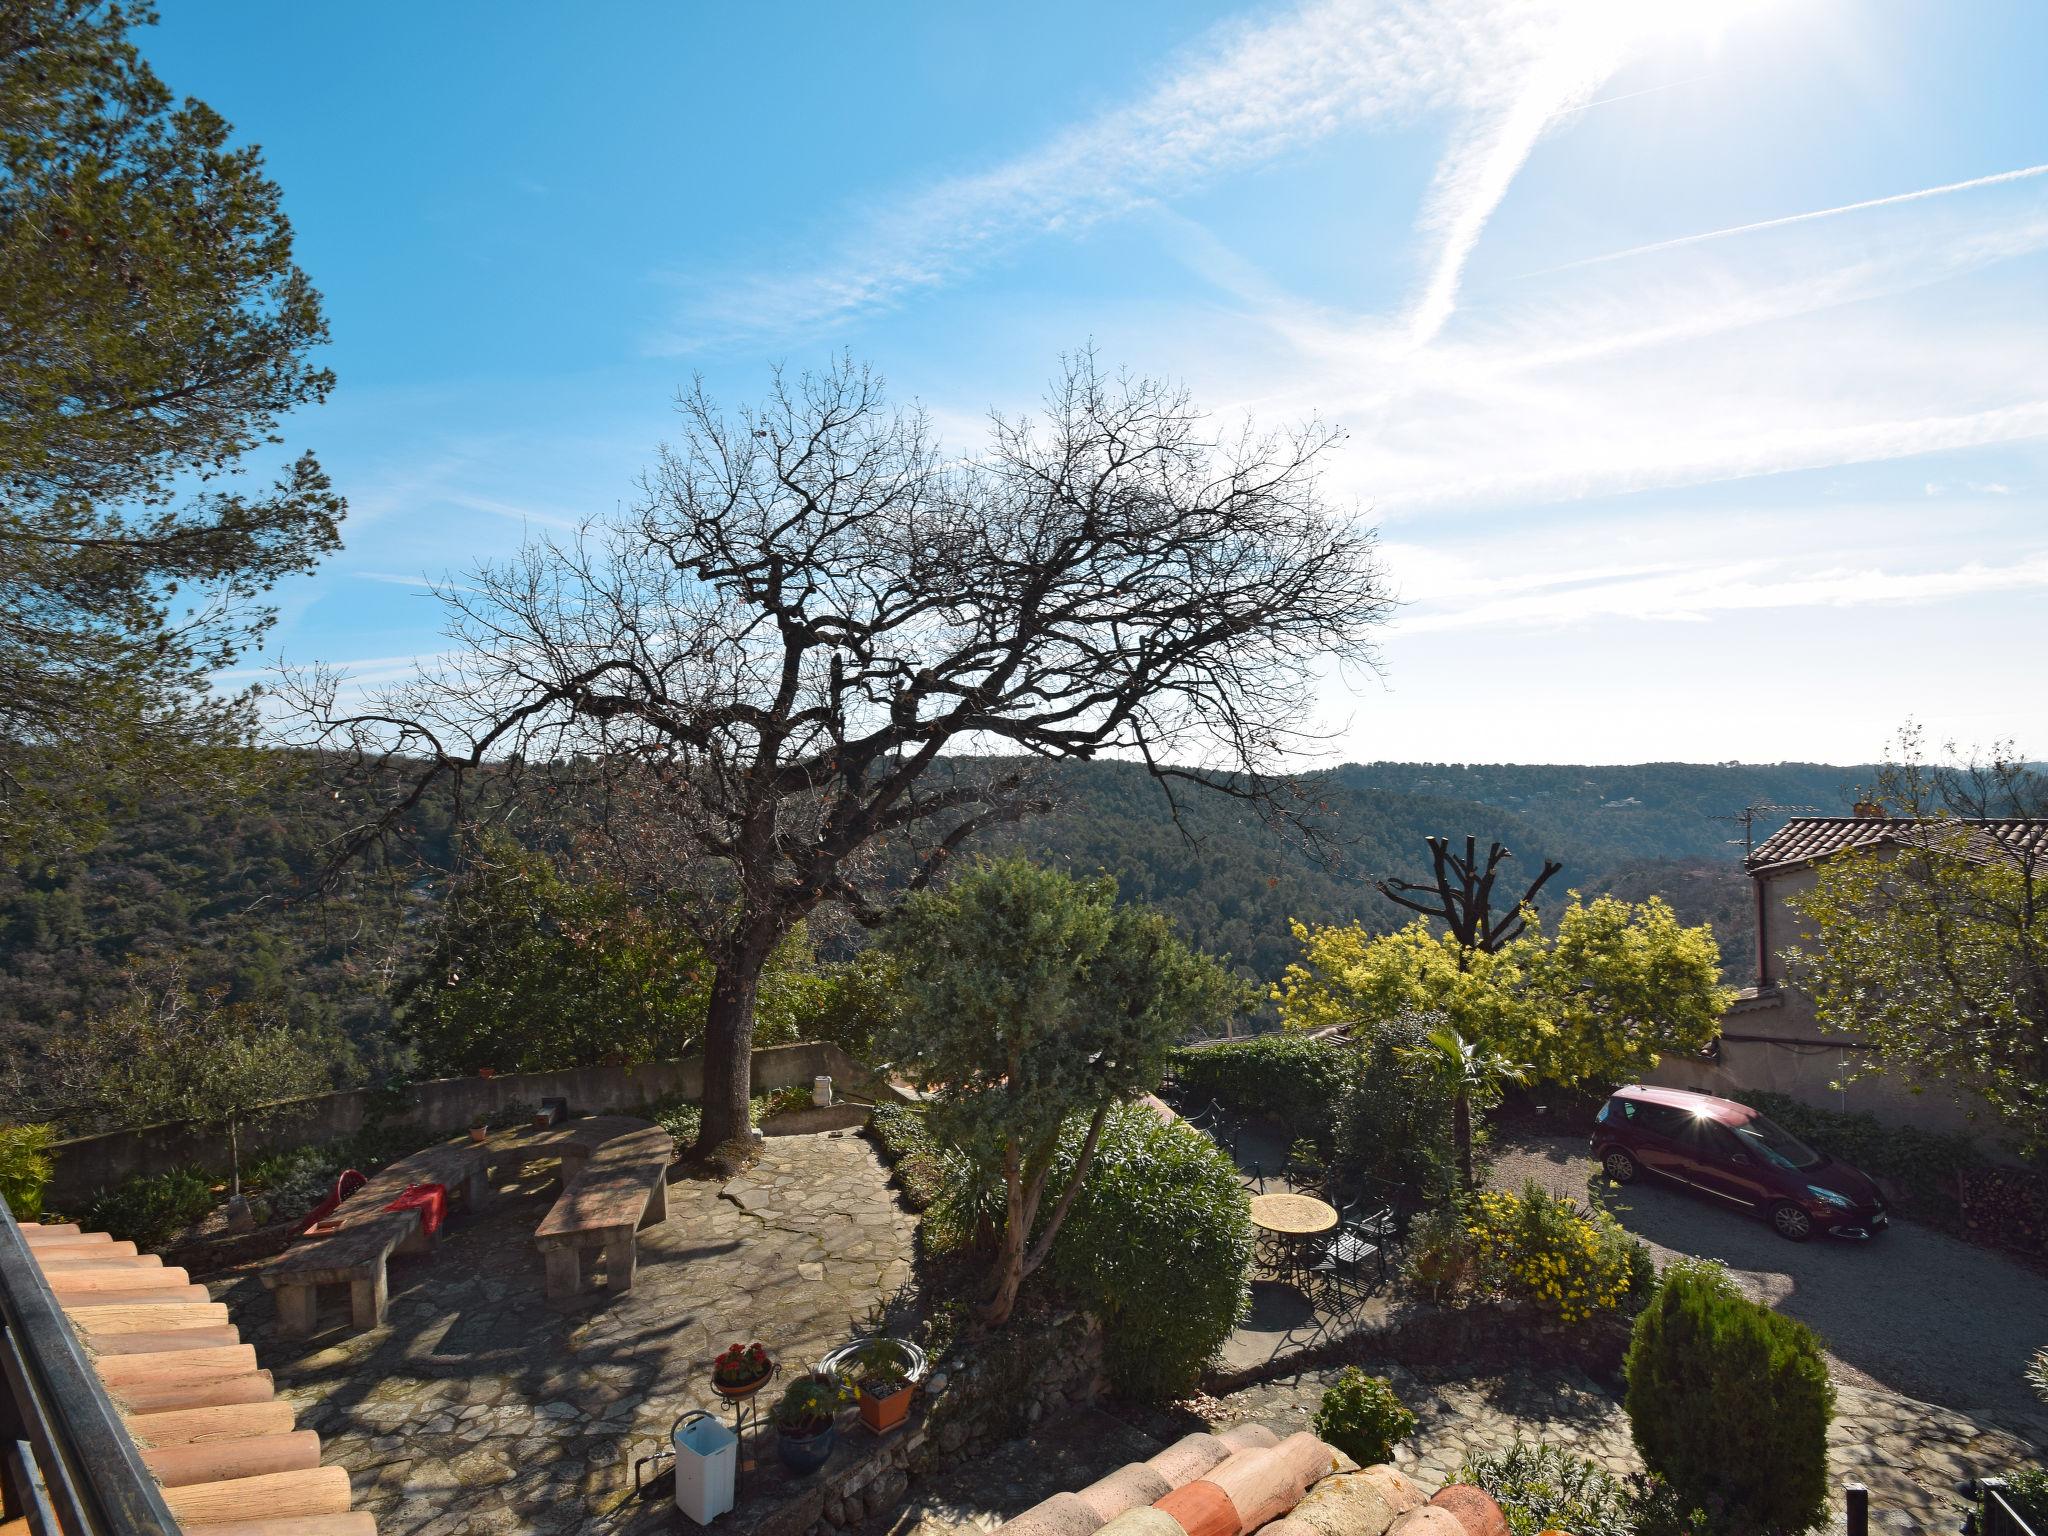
(1777, 1144)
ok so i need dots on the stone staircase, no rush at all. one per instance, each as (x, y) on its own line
(203, 1416)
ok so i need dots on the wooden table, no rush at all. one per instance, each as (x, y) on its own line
(1293, 1215)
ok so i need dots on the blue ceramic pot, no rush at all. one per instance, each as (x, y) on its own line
(805, 1453)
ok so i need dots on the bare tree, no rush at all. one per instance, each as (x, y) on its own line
(821, 656)
(1461, 894)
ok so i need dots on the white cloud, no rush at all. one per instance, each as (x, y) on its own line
(1243, 94)
(1694, 593)
(2023, 174)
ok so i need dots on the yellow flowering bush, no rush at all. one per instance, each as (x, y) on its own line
(1569, 1261)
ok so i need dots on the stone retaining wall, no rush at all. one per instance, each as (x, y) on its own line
(85, 1165)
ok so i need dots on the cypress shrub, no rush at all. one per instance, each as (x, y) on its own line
(1729, 1402)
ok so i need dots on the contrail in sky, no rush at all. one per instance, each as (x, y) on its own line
(1801, 218)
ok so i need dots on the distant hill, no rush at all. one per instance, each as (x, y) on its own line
(1635, 831)
(223, 886)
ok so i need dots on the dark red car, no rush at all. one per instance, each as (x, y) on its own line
(1731, 1151)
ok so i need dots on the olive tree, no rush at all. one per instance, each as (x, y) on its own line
(821, 654)
(1032, 999)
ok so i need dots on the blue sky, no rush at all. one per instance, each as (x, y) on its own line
(1652, 482)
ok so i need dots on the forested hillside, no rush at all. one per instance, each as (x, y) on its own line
(229, 888)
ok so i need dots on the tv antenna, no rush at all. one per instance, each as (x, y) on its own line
(1748, 815)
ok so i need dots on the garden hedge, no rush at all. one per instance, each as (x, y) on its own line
(1292, 1078)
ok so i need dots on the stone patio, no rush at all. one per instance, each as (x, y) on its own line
(482, 1407)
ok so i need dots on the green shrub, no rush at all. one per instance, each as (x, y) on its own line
(2027, 1492)
(1542, 1488)
(1569, 1261)
(1157, 1245)
(920, 1162)
(148, 1209)
(1393, 1123)
(25, 1167)
(1361, 1417)
(1444, 1260)
(681, 1118)
(1729, 1402)
(1291, 1078)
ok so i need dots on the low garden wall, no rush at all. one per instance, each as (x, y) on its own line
(85, 1165)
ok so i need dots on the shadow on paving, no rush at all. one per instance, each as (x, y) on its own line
(1912, 1311)
(484, 1407)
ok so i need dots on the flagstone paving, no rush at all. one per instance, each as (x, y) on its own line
(482, 1407)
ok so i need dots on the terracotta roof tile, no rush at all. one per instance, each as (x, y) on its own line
(1815, 837)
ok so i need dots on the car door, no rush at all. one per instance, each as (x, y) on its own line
(1656, 1142)
(1723, 1166)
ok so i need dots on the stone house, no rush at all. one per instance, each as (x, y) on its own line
(1771, 1039)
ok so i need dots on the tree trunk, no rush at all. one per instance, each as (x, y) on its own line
(1461, 1135)
(729, 1048)
(1009, 1271)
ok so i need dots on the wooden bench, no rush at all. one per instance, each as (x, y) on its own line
(614, 1182)
(356, 1255)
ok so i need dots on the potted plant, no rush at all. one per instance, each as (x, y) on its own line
(883, 1379)
(741, 1370)
(480, 1127)
(806, 1418)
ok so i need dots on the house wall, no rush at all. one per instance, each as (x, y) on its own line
(1784, 1048)
(86, 1165)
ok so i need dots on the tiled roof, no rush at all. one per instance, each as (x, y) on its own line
(1815, 837)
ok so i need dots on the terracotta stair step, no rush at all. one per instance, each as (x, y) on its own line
(252, 1387)
(306, 1525)
(148, 1342)
(62, 1262)
(114, 1277)
(264, 1500)
(40, 1238)
(97, 1323)
(198, 1426)
(72, 1254)
(168, 1367)
(133, 1296)
(221, 1461)
(48, 1229)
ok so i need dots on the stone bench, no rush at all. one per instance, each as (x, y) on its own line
(618, 1185)
(356, 1255)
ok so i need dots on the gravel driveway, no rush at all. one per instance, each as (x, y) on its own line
(1912, 1311)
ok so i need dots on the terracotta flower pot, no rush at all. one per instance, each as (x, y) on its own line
(732, 1391)
(882, 1414)
(479, 1132)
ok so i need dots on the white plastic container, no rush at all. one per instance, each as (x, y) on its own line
(707, 1458)
(821, 1090)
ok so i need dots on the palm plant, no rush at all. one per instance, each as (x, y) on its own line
(1468, 1071)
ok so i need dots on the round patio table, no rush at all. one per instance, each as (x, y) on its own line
(1293, 1215)
(1289, 1225)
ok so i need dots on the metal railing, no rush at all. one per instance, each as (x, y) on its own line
(67, 1465)
(1998, 1517)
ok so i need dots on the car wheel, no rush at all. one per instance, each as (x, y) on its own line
(1620, 1167)
(1791, 1222)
